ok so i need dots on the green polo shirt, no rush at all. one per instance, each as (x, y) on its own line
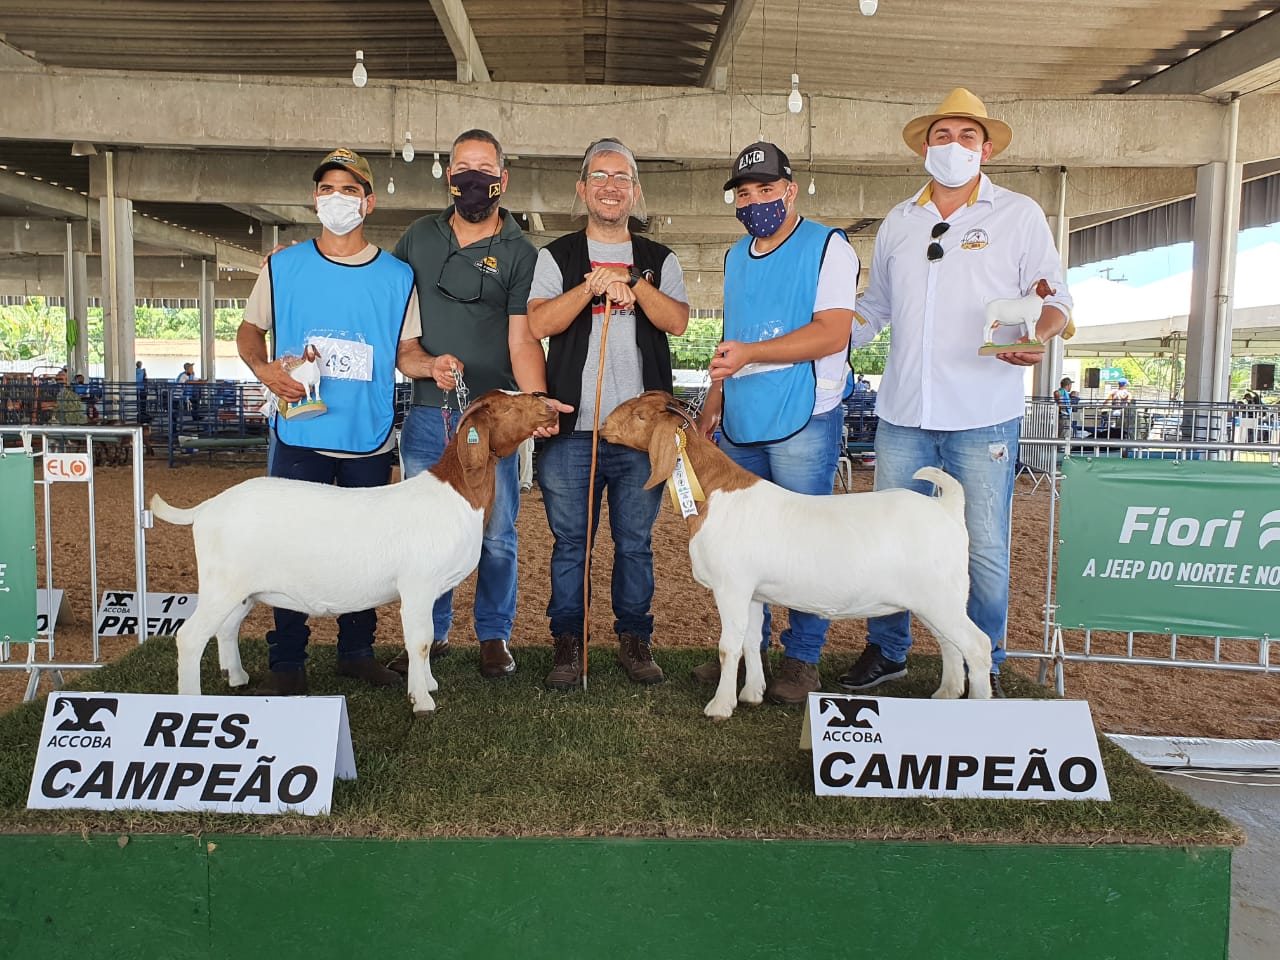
(496, 273)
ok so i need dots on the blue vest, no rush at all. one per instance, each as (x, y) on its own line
(311, 296)
(764, 298)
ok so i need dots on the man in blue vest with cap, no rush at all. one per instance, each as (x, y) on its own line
(782, 370)
(353, 308)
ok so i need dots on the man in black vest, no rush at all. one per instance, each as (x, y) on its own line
(574, 276)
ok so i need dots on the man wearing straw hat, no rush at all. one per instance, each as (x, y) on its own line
(584, 281)
(939, 258)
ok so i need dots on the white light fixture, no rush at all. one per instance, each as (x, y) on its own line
(251, 229)
(699, 278)
(868, 7)
(82, 148)
(406, 152)
(813, 187)
(524, 217)
(360, 76)
(728, 196)
(27, 225)
(437, 171)
(391, 185)
(668, 221)
(182, 264)
(795, 102)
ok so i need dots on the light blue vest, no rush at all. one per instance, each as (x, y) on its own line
(764, 298)
(313, 296)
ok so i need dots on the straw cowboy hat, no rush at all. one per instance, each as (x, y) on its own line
(959, 103)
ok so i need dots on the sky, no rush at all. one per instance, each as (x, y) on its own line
(1140, 269)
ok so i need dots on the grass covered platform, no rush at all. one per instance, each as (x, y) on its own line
(522, 823)
(510, 759)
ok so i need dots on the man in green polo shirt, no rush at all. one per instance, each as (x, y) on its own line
(473, 267)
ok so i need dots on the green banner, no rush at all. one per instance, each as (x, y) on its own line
(17, 548)
(1170, 546)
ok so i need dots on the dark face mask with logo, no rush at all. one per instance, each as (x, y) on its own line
(475, 193)
(763, 219)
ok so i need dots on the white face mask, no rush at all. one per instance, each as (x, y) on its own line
(952, 164)
(339, 213)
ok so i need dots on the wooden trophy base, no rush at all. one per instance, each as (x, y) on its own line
(304, 410)
(1025, 346)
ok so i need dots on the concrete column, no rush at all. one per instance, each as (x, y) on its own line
(270, 237)
(117, 288)
(76, 267)
(1217, 196)
(208, 362)
(1049, 371)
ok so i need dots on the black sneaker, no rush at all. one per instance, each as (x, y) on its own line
(997, 691)
(871, 669)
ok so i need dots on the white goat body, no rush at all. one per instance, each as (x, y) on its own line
(852, 555)
(358, 548)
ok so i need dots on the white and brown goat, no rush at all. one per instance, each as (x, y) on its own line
(854, 555)
(410, 541)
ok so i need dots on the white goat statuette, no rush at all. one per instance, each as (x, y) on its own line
(307, 372)
(1022, 313)
(410, 541)
(853, 555)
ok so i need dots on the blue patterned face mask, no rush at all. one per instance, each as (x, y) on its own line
(763, 219)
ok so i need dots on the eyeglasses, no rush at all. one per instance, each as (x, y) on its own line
(935, 250)
(598, 178)
(458, 272)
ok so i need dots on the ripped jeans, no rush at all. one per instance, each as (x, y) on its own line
(984, 460)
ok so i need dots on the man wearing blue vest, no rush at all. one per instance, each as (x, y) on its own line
(357, 306)
(782, 370)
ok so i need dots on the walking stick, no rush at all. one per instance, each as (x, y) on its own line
(591, 491)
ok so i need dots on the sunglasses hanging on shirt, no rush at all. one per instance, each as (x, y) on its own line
(935, 250)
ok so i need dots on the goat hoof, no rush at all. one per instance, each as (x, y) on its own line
(946, 692)
(752, 697)
(238, 679)
(717, 712)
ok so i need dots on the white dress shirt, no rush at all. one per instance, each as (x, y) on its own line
(997, 247)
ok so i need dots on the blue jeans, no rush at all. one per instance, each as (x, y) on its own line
(564, 468)
(287, 643)
(804, 463)
(984, 460)
(422, 443)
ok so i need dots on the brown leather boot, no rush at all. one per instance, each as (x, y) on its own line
(496, 661)
(709, 672)
(566, 670)
(794, 682)
(370, 671)
(283, 683)
(400, 663)
(636, 657)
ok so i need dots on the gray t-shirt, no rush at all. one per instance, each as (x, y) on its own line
(622, 374)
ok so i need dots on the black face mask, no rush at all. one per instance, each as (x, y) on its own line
(475, 193)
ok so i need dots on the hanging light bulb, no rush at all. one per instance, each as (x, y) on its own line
(524, 217)
(813, 187)
(406, 152)
(699, 278)
(251, 229)
(360, 76)
(868, 7)
(668, 221)
(795, 102)
(182, 264)
(27, 225)
(437, 171)
(391, 185)
(728, 196)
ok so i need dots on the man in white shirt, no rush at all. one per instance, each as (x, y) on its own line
(939, 258)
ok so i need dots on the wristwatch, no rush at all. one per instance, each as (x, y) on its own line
(635, 278)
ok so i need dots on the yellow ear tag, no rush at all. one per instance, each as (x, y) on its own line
(683, 482)
(472, 436)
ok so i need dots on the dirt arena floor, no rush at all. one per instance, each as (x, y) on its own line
(1124, 698)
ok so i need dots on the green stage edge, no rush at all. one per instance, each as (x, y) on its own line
(161, 896)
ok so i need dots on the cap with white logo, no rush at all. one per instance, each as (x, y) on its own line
(759, 162)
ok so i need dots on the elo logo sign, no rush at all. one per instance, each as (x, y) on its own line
(68, 466)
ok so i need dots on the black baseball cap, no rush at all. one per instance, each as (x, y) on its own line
(759, 162)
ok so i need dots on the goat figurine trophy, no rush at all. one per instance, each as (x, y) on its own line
(306, 370)
(1018, 315)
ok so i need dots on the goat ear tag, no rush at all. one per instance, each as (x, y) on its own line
(472, 436)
